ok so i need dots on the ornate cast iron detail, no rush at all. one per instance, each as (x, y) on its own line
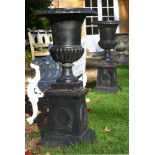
(66, 32)
(64, 126)
(66, 54)
(109, 44)
(105, 78)
(63, 118)
(83, 117)
(107, 36)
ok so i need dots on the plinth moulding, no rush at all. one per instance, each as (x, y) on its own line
(67, 120)
(106, 75)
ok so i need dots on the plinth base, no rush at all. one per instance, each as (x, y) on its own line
(67, 118)
(107, 89)
(87, 136)
(106, 78)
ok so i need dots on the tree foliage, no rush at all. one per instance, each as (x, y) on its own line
(31, 8)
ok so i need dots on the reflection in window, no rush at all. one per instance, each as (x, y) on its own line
(94, 3)
(88, 30)
(110, 3)
(104, 18)
(95, 9)
(87, 3)
(94, 19)
(88, 21)
(111, 12)
(104, 3)
(111, 18)
(95, 30)
(104, 12)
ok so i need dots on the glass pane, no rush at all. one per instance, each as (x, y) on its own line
(88, 21)
(95, 30)
(94, 3)
(87, 3)
(95, 9)
(111, 18)
(111, 11)
(88, 30)
(104, 12)
(110, 3)
(95, 19)
(104, 3)
(105, 18)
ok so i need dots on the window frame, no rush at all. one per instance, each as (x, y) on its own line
(100, 16)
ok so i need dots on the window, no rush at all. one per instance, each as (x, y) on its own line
(90, 28)
(106, 9)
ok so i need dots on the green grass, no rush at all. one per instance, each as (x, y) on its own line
(28, 57)
(107, 109)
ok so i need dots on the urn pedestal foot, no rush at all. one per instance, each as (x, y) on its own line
(107, 89)
(67, 119)
(106, 78)
(87, 136)
(67, 74)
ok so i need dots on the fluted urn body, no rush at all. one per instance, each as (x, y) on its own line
(66, 31)
(107, 33)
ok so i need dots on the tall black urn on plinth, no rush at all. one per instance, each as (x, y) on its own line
(67, 120)
(106, 76)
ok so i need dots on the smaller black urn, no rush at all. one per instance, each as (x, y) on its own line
(106, 76)
(107, 37)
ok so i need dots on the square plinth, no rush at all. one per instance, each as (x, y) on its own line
(106, 78)
(67, 120)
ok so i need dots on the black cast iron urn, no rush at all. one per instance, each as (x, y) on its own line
(66, 32)
(107, 40)
(106, 76)
(67, 120)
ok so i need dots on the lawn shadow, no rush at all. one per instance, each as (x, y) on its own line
(91, 85)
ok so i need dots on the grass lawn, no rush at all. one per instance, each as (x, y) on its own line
(106, 110)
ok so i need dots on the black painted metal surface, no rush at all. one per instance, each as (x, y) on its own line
(66, 31)
(106, 76)
(107, 33)
(107, 41)
(67, 121)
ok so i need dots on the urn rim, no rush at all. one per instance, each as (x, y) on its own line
(62, 11)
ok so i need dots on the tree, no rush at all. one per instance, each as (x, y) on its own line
(32, 21)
